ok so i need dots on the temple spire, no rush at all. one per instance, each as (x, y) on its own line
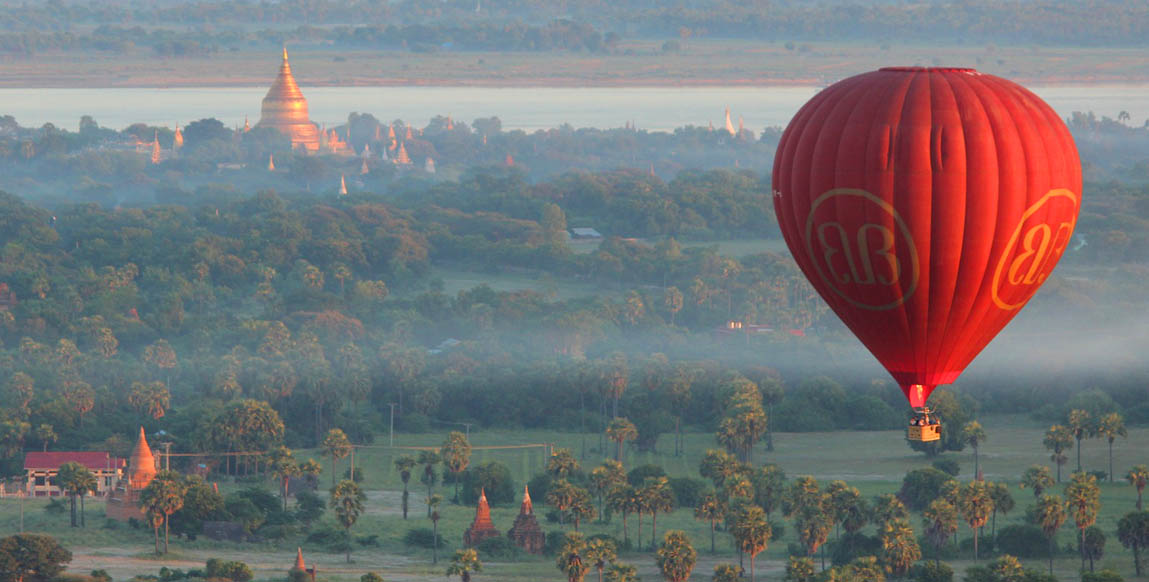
(271, 163)
(342, 185)
(285, 54)
(527, 508)
(299, 564)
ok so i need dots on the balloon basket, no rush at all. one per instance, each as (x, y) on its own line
(924, 427)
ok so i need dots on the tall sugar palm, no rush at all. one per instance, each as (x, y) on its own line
(599, 552)
(347, 500)
(404, 464)
(571, 560)
(899, 547)
(974, 435)
(1111, 426)
(66, 478)
(456, 454)
(1083, 497)
(676, 557)
(620, 430)
(620, 499)
(752, 533)
(283, 468)
(337, 446)
(941, 522)
(1138, 477)
(712, 509)
(1050, 513)
(1037, 478)
(1058, 439)
(433, 503)
(463, 564)
(1002, 501)
(975, 505)
(429, 459)
(160, 499)
(657, 498)
(1081, 423)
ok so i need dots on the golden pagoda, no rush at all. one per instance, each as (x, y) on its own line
(124, 501)
(177, 139)
(285, 108)
(403, 159)
(342, 185)
(156, 154)
(271, 163)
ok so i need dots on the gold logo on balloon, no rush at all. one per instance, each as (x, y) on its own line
(1031, 255)
(853, 257)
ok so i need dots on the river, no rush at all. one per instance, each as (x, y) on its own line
(526, 108)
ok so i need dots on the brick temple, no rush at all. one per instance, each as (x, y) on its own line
(526, 532)
(483, 528)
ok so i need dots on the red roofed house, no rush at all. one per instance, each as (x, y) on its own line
(41, 468)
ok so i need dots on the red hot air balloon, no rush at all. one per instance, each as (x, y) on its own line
(926, 206)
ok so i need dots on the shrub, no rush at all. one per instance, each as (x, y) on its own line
(298, 576)
(55, 506)
(1023, 541)
(554, 542)
(852, 546)
(687, 491)
(932, 572)
(948, 466)
(1102, 576)
(495, 478)
(422, 537)
(234, 571)
(499, 548)
(334, 539)
(921, 486)
(308, 506)
(371, 577)
(638, 475)
(368, 540)
(101, 575)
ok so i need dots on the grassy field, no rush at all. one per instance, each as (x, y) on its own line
(700, 62)
(873, 461)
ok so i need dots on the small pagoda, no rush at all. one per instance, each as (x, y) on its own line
(483, 528)
(124, 502)
(526, 532)
(299, 572)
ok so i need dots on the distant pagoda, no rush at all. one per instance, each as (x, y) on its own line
(526, 532)
(285, 108)
(123, 504)
(483, 527)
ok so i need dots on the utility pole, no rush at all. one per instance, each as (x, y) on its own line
(167, 456)
(20, 493)
(353, 462)
(392, 440)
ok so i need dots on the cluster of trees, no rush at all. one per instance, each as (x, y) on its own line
(1045, 22)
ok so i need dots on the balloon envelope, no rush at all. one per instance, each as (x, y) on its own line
(926, 206)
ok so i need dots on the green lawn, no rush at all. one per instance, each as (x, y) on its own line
(873, 461)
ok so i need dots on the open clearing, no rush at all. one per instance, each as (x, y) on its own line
(873, 461)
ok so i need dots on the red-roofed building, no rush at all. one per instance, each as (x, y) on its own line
(40, 470)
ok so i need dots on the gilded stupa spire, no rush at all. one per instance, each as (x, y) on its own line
(285, 108)
(342, 185)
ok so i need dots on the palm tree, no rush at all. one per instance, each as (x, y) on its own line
(561, 464)
(404, 464)
(283, 468)
(1057, 439)
(974, 435)
(428, 459)
(1081, 424)
(1133, 532)
(1050, 513)
(621, 499)
(941, 522)
(1037, 478)
(570, 560)
(336, 445)
(433, 503)
(813, 523)
(456, 454)
(46, 435)
(1138, 477)
(160, 499)
(582, 506)
(975, 505)
(561, 495)
(620, 430)
(899, 547)
(619, 572)
(656, 497)
(604, 478)
(1002, 501)
(710, 508)
(347, 500)
(598, 552)
(726, 573)
(1111, 426)
(66, 478)
(1083, 498)
(752, 533)
(676, 557)
(464, 563)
